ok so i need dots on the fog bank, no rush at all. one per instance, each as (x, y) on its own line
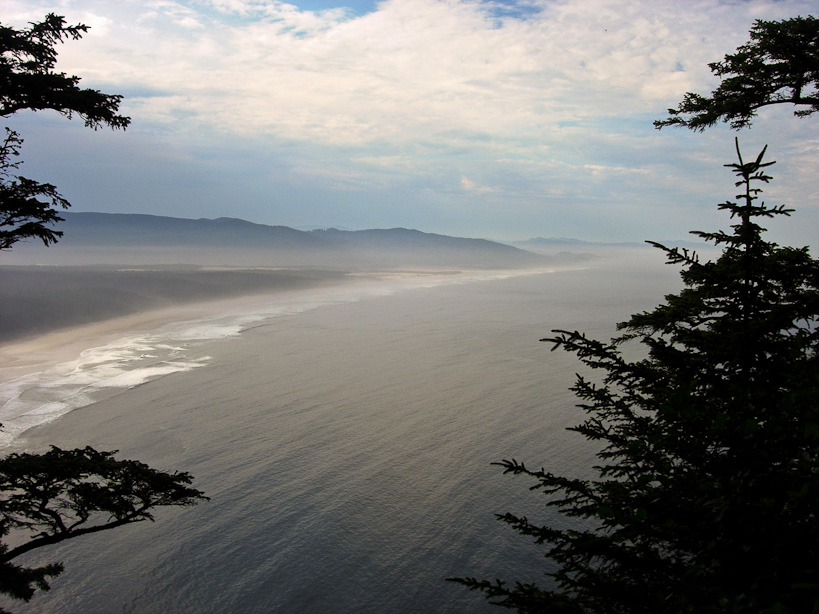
(39, 300)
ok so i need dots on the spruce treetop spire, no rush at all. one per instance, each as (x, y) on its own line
(706, 494)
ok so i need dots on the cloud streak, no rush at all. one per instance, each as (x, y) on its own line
(425, 93)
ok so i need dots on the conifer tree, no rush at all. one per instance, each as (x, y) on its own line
(779, 65)
(707, 493)
(29, 81)
(48, 498)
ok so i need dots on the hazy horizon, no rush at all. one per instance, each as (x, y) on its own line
(502, 120)
(316, 271)
(324, 423)
(140, 239)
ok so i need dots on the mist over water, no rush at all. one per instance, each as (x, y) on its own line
(130, 359)
(345, 443)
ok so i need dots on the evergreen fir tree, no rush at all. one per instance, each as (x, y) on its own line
(707, 492)
(778, 66)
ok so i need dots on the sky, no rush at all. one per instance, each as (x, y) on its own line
(498, 119)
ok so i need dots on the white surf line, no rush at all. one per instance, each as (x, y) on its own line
(131, 358)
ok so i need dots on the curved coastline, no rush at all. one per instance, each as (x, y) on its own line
(39, 300)
(45, 376)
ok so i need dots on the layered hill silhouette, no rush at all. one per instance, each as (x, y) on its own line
(111, 265)
(105, 238)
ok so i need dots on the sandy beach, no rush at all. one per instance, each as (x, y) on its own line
(49, 314)
(20, 357)
(38, 301)
(70, 344)
(69, 335)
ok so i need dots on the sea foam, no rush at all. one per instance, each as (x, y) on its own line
(138, 357)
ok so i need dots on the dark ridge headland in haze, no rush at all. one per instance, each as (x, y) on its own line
(111, 265)
(105, 238)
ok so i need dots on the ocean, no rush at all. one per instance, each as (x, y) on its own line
(344, 436)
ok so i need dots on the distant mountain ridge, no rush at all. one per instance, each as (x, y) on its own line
(115, 238)
(553, 242)
(566, 242)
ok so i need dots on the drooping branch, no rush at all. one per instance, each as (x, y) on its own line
(29, 81)
(72, 488)
(779, 65)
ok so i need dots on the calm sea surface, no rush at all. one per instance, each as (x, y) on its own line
(345, 444)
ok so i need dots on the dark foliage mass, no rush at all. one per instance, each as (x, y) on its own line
(28, 208)
(28, 81)
(779, 65)
(707, 492)
(61, 494)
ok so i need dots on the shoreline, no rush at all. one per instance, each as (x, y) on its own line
(24, 356)
(43, 377)
(47, 376)
(31, 353)
(35, 352)
(37, 301)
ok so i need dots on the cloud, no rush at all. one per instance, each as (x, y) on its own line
(470, 186)
(413, 70)
(599, 169)
(409, 72)
(545, 101)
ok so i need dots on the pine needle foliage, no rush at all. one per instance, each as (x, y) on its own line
(707, 491)
(48, 498)
(779, 65)
(29, 81)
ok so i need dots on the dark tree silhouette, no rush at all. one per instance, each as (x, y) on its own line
(23, 212)
(28, 81)
(707, 492)
(779, 65)
(63, 494)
